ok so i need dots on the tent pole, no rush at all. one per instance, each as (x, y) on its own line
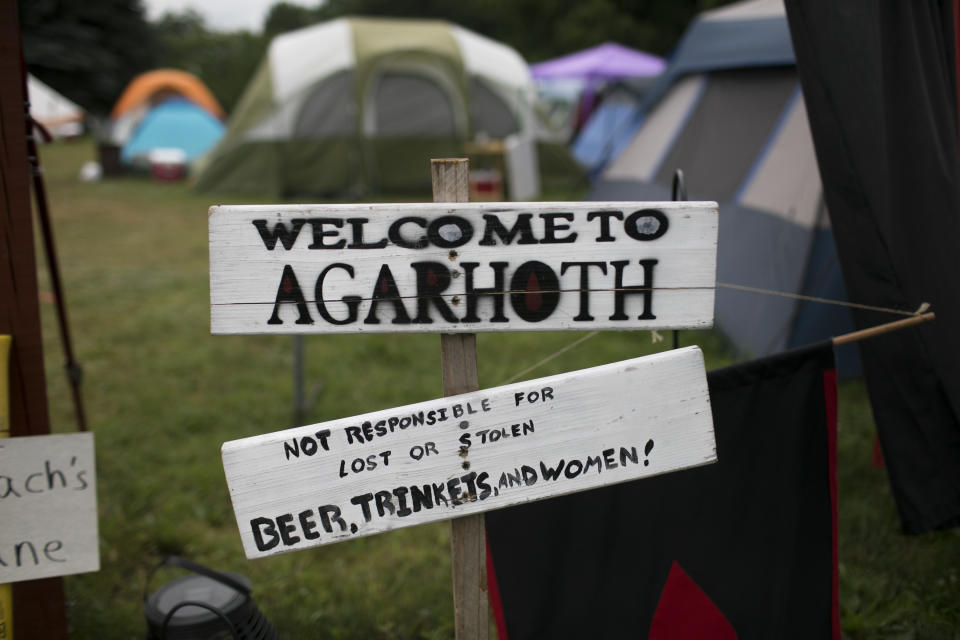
(74, 371)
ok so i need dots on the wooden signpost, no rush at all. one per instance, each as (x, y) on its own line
(458, 268)
(465, 267)
(48, 506)
(470, 453)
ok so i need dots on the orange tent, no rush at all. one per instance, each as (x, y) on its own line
(150, 86)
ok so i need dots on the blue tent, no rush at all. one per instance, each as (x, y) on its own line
(174, 124)
(729, 113)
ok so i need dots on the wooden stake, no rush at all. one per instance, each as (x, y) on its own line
(458, 353)
(881, 329)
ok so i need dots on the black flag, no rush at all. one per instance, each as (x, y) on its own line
(744, 548)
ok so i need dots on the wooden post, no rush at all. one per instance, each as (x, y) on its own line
(458, 352)
(39, 604)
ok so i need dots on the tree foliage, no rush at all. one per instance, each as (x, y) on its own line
(90, 49)
(87, 50)
(224, 61)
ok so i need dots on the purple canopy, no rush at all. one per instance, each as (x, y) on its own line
(604, 62)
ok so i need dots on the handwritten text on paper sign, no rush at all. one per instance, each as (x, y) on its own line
(474, 452)
(469, 267)
(48, 507)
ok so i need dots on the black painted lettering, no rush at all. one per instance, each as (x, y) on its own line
(396, 237)
(551, 227)
(453, 488)
(529, 474)
(264, 527)
(279, 232)
(493, 226)
(604, 217)
(285, 523)
(363, 502)
(574, 468)
(402, 509)
(473, 293)
(547, 393)
(384, 501)
(356, 226)
(322, 436)
(438, 496)
(421, 497)
(646, 224)
(352, 302)
(484, 486)
(593, 461)
(308, 525)
(433, 278)
(551, 473)
(535, 291)
(448, 232)
(621, 291)
(353, 434)
(629, 454)
(608, 460)
(289, 291)
(386, 291)
(584, 314)
(469, 479)
(319, 233)
(329, 514)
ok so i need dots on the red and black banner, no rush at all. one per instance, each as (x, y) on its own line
(744, 548)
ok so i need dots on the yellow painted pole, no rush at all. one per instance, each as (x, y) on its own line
(6, 591)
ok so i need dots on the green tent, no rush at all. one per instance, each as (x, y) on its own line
(357, 106)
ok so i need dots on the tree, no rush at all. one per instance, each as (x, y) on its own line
(224, 61)
(89, 50)
(285, 16)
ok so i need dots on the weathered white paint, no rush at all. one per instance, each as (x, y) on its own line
(246, 276)
(48, 507)
(593, 415)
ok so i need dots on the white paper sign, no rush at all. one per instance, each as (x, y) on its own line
(462, 267)
(48, 507)
(474, 452)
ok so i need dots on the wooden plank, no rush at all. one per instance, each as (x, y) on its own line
(49, 507)
(458, 364)
(470, 453)
(468, 267)
(39, 605)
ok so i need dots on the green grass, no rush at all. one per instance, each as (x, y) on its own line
(162, 395)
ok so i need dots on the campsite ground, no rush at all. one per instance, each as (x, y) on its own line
(162, 396)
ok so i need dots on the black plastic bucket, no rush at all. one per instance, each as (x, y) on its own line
(208, 605)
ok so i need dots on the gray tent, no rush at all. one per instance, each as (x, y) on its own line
(729, 112)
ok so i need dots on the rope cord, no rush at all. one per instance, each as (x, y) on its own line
(922, 309)
(839, 303)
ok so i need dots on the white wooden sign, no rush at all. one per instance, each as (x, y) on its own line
(474, 452)
(48, 507)
(465, 267)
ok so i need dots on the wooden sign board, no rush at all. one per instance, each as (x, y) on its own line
(465, 267)
(474, 452)
(48, 507)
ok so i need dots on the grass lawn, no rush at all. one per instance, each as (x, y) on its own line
(162, 395)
